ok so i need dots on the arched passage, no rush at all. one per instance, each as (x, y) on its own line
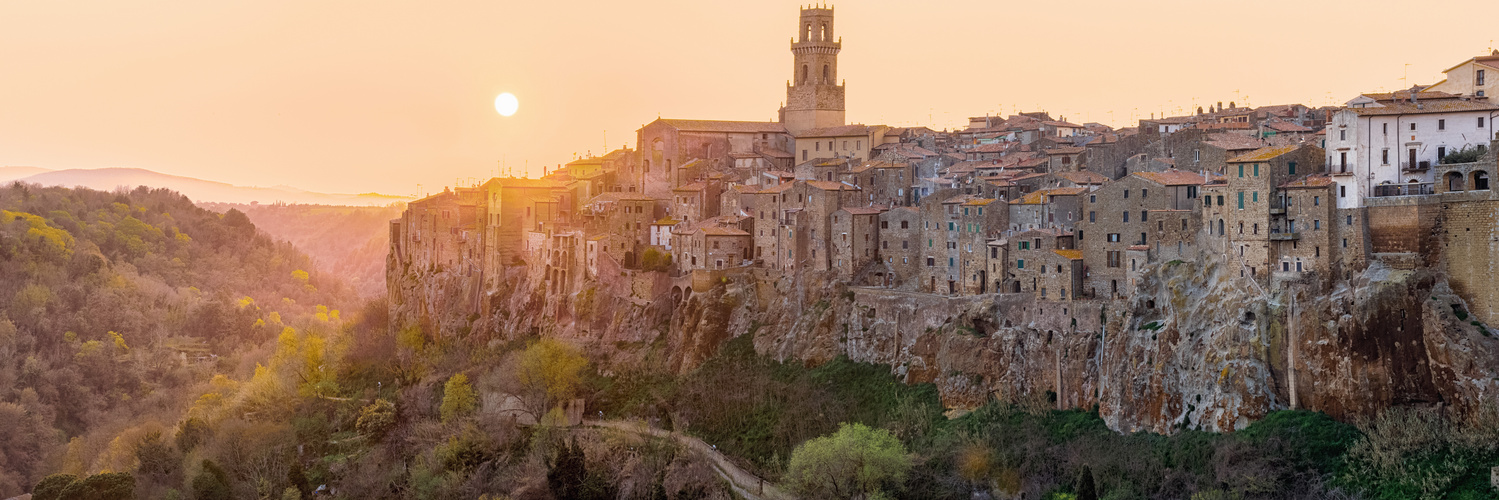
(1454, 181)
(1480, 180)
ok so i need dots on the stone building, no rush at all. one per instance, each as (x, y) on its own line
(515, 208)
(856, 238)
(1033, 264)
(696, 201)
(665, 145)
(845, 141)
(1116, 216)
(1308, 210)
(901, 244)
(1257, 215)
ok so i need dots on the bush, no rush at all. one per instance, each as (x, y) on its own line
(458, 398)
(50, 487)
(376, 419)
(855, 462)
(107, 486)
(211, 483)
(1466, 154)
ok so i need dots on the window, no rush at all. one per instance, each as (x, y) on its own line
(1220, 200)
(1126, 216)
(1126, 194)
(1384, 156)
(1480, 122)
(1207, 201)
(1019, 263)
(1441, 152)
(1441, 124)
(905, 224)
(1291, 168)
(904, 244)
(952, 226)
(1092, 198)
(1113, 237)
(1317, 224)
(1256, 170)
(1350, 220)
(1113, 258)
(1092, 216)
(804, 155)
(1342, 191)
(930, 262)
(1241, 170)
(1144, 192)
(1342, 134)
(1255, 197)
(1479, 77)
(1386, 128)
(1316, 201)
(1413, 126)
(1241, 200)
(1143, 215)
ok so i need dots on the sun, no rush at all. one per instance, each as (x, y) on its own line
(506, 104)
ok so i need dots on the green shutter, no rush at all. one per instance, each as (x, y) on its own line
(1241, 199)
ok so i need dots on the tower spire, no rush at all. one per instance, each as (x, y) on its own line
(814, 98)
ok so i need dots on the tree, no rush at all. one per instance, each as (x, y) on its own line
(376, 419)
(211, 483)
(155, 457)
(1085, 488)
(458, 398)
(50, 487)
(856, 462)
(568, 472)
(192, 433)
(549, 372)
(107, 486)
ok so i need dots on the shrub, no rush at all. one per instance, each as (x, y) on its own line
(458, 398)
(376, 419)
(1465, 154)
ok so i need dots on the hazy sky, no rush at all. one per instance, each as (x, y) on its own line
(358, 96)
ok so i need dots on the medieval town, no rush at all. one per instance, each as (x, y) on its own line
(1023, 204)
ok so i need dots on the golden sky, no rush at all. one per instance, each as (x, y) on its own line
(358, 96)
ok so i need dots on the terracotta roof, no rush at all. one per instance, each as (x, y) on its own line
(831, 186)
(1065, 150)
(724, 126)
(1225, 126)
(1310, 181)
(516, 182)
(780, 173)
(1406, 95)
(1066, 191)
(864, 210)
(1083, 177)
(978, 202)
(1263, 154)
(722, 231)
(1032, 198)
(1070, 254)
(592, 160)
(1058, 123)
(1287, 127)
(1172, 177)
(1425, 107)
(1175, 120)
(998, 147)
(840, 131)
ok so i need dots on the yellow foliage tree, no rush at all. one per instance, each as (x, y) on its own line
(549, 372)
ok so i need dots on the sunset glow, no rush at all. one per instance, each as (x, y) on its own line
(506, 104)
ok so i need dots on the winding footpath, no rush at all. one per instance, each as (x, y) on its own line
(745, 485)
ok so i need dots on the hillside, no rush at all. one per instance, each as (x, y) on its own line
(116, 310)
(108, 179)
(347, 242)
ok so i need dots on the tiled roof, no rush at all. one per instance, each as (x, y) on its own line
(724, 126)
(1310, 181)
(864, 210)
(1083, 177)
(1065, 150)
(1032, 198)
(1066, 191)
(831, 186)
(1263, 154)
(1406, 95)
(978, 202)
(722, 231)
(1172, 177)
(1287, 127)
(840, 131)
(1070, 254)
(1425, 107)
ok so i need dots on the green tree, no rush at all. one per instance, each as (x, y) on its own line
(211, 483)
(192, 433)
(50, 487)
(856, 462)
(549, 372)
(155, 457)
(458, 398)
(107, 486)
(1085, 487)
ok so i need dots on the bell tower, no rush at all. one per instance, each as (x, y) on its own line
(814, 96)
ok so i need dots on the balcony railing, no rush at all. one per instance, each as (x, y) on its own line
(1411, 189)
(1420, 166)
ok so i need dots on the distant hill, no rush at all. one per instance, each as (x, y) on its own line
(8, 174)
(347, 242)
(107, 179)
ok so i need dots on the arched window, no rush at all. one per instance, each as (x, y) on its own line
(825, 74)
(1480, 180)
(804, 75)
(1454, 181)
(823, 35)
(808, 35)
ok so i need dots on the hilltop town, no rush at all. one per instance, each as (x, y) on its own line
(1021, 214)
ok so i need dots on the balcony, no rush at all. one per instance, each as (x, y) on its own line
(1285, 236)
(1411, 189)
(1420, 166)
(1341, 169)
(1277, 208)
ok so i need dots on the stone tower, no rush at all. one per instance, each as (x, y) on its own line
(814, 97)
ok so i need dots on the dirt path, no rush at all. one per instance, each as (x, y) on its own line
(745, 484)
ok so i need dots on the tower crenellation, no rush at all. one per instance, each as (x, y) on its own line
(814, 96)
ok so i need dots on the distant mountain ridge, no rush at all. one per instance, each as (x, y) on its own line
(108, 179)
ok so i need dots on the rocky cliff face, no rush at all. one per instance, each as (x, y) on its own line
(1197, 346)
